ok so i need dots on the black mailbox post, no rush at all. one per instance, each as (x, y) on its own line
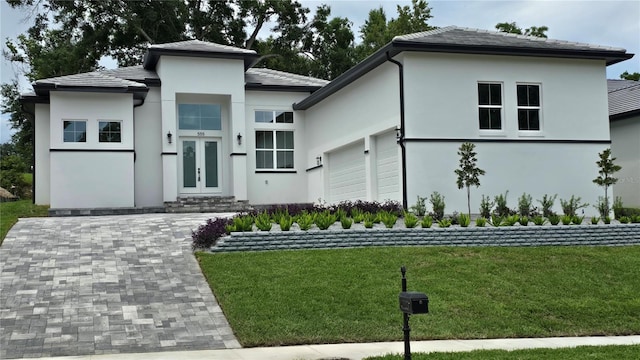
(411, 302)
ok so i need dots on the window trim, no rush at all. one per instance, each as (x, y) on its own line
(109, 121)
(220, 113)
(530, 133)
(86, 128)
(275, 150)
(273, 112)
(503, 122)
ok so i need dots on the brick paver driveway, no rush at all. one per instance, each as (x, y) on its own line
(109, 284)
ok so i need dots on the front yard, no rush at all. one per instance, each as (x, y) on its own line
(11, 211)
(351, 295)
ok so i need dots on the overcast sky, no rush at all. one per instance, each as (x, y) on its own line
(611, 23)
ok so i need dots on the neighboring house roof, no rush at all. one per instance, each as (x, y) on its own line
(454, 39)
(267, 79)
(624, 99)
(198, 48)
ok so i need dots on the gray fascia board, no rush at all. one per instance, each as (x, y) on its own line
(43, 90)
(153, 55)
(282, 88)
(374, 60)
(624, 115)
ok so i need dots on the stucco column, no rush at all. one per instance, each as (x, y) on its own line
(169, 151)
(239, 154)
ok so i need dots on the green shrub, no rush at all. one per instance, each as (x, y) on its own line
(325, 219)
(606, 220)
(566, 219)
(577, 220)
(538, 220)
(594, 220)
(511, 220)
(524, 205)
(485, 207)
(481, 222)
(496, 220)
(357, 215)
(438, 205)
(285, 223)
(554, 219)
(346, 222)
(410, 220)
(572, 205)
(278, 213)
(444, 223)
(340, 213)
(464, 220)
(368, 223)
(624, 219)
(388, 219)
(305, 220)
(420, 208)
(524, 220)
(501, 205)
(618, 208)
(243, 223)
(635, 219)
(263, 221)
(547, 204)
(427, 221)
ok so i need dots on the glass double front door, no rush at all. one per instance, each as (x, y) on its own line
(199, 165)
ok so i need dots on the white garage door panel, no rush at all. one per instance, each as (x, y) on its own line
(387, 167)
(347, 174)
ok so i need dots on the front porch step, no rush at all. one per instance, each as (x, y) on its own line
(195, 204)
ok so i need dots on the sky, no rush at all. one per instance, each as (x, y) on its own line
(610, 23)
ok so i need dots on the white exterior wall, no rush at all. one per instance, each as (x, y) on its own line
(625, 146)
(42, 177)
(442, 103)
(273, 187)
(182, 76)
(148, 146)
(367, 107)
(91, 174)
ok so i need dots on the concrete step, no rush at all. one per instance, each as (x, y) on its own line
(193, 204)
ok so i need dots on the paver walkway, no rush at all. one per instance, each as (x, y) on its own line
(102, 285)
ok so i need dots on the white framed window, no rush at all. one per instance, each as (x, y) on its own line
(490, 106)
(274, 149)
(109, 131)
(528, 107)
(274, 116)
(199, 117)
(74, 130)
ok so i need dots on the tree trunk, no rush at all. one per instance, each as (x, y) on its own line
(469, 201)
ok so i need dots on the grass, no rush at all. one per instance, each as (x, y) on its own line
(11, 211)
(351, 295)
(578, 353)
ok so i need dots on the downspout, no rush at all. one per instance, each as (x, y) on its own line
(405, 204)
(134, 149)
(33, 152)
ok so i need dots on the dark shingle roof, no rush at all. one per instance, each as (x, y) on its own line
(198, 48)
(90, 82)
(261, 78)
(624, 98)
(134, 73)
(454, 39)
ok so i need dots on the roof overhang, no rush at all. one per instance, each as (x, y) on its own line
(44, 89)
(153, 55)
(625, 115)
(281, 88)
(397, 46)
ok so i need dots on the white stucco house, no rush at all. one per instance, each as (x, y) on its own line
(624, 114)
(199, 120)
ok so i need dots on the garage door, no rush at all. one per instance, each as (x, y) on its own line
(387, 167)
(347, 174)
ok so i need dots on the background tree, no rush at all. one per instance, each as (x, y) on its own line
(627, 76)
(468, 173)
(513, 28)
(605, 178)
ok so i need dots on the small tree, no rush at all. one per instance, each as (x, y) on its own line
(468, 173)
(606, 179)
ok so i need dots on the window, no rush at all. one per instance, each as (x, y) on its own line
(281, 154)
(529, 107)
(109, 131)
(75, 131)
(490, 106)
(199, 117)
(278, 117)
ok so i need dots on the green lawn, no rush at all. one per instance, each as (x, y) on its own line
(351, 295)
(11, 211)
(579, 353)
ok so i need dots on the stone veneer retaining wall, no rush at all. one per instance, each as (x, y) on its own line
(598, 235)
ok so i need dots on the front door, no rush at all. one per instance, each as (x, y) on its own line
(200, 165)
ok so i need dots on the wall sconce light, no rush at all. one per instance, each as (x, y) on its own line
(318, 160)
(169, 136)
(239, 137)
